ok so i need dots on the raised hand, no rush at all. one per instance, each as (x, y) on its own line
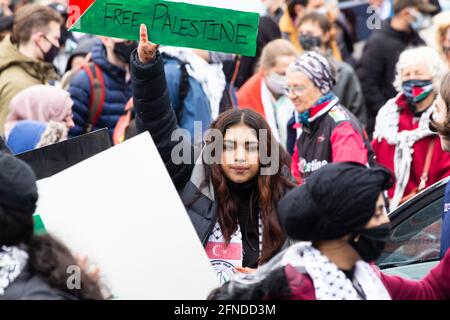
(146, 49)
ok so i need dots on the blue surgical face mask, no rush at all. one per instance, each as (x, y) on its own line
(419, 22)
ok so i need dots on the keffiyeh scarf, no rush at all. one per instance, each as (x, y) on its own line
(12, 262)
(386, 127)
(330, 283)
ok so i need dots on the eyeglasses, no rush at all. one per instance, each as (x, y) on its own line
(297, 91)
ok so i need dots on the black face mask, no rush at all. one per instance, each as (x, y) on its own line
(370, 243)
(51, 54)
(124, 49)
(309, 42)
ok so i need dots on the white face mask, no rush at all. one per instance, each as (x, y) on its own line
(322, 10)
(263, 9)
(421, 21)
(276, 83)
(445, 5)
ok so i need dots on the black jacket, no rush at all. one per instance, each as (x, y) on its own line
(376, 69)
(155, 115)
(32, 287)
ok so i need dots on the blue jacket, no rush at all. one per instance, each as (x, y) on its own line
(117, 94)
(445, 233)
(196, 104)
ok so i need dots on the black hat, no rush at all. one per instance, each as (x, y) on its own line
(334, 201)
(18, 189)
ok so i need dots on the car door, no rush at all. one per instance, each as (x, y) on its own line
(413, 248)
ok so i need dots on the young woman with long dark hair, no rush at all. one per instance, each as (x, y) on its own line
(230, 202)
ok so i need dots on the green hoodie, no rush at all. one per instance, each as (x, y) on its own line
(18, 72)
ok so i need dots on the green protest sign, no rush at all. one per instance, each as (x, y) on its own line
(225, 26)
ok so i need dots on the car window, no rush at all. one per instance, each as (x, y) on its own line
(416, 239)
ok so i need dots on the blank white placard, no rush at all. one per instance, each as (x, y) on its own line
(121, 209)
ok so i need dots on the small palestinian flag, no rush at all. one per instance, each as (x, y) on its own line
(420, 93)
(225, 26)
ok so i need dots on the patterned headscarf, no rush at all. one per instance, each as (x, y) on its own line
(317, 69)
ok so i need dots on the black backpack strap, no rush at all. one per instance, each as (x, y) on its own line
(183, 89)
(226, 103)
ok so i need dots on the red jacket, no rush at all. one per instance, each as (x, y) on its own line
(435, 286)
(249, 95)
(440, 163)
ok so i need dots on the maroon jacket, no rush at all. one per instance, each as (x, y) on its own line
(287, 283)
(435, 286)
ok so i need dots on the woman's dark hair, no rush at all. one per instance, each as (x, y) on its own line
(48, 257)
(443, 128)
(271, 187)
(318, 18)
(291, 6)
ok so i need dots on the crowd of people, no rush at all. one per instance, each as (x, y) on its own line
(352, 135)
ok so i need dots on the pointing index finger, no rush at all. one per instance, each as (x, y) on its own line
(144, 37)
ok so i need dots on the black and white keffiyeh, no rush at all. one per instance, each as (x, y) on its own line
(386, 127)
(317, 69)
(330, 283)
(12, 262)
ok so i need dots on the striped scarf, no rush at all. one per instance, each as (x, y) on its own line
(305, 117)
